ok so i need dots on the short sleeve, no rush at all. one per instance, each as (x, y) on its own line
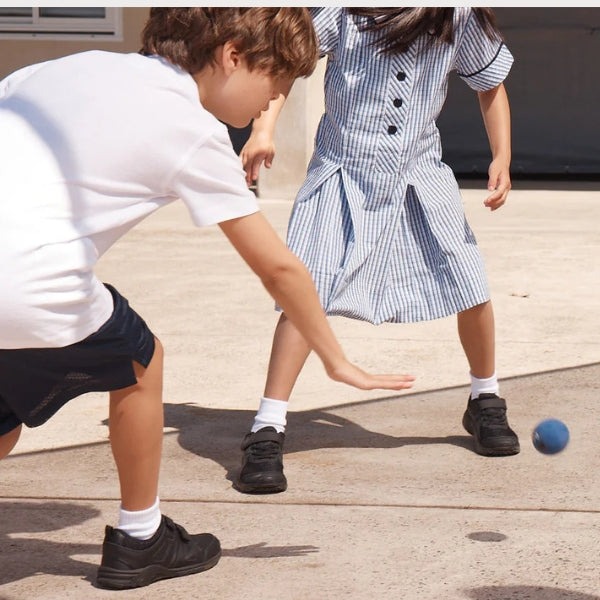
(212, 183)
(327, 23)
(481, 62)
(9, 83)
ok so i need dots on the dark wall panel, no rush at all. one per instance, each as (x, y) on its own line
(554, 91)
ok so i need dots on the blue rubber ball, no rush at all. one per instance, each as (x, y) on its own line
(550, 436)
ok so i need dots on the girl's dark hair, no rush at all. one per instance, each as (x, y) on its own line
(279, 41)
(398, 28)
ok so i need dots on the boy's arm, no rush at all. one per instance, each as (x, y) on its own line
(495, 110)
(260, 148)
(289, 283)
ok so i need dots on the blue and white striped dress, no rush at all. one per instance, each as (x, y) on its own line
(379, 220)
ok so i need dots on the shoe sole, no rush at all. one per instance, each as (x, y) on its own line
(483, 451)
(115, 579)
(266, 482)
(260, 488)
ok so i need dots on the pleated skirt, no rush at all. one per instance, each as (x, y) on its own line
(380, 255)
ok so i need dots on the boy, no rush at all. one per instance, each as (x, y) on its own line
(91, 144)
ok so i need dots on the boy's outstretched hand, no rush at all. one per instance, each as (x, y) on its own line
(353, 375)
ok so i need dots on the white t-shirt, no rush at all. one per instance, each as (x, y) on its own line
(90, 145)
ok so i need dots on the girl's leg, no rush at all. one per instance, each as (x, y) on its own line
(485, 417)
(476, 330)
(288, 355)
(262, 463)
(136, 434)
(9, 440)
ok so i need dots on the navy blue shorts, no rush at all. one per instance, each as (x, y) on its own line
(36, 382)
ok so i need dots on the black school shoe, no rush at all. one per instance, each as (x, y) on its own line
(262, 463)
(171, 552)
(485, 419)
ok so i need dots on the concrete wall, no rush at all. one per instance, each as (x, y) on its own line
(15, 54)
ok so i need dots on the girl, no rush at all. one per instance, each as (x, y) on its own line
(379, 220)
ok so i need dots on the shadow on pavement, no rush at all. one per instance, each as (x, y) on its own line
(261, 550)
(216, 434)
(23, 556)
(531, 592)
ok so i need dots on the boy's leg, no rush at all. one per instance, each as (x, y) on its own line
(262, 462)
(136, 431)
(9, 440)
(485, 417)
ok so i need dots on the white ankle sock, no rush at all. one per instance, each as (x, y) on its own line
(140, 524)
(489, 385)
(271, 413)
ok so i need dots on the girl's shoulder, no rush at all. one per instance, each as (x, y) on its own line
(327, 23)
(461, 16)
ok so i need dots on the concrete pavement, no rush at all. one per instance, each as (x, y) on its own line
(385, 494)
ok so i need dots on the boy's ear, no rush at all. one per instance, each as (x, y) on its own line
(231, 59)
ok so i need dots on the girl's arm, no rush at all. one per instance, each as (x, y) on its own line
(495, 110)
(260, 148)
(289, 283)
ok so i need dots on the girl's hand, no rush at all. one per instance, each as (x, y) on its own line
(498, 183)
(258, 149)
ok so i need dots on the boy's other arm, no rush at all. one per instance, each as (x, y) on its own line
(495, 111)
(290, 284)
(260, 147)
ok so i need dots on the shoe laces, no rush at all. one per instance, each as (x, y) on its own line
(183, 534)
(264, 450)
(494, 418)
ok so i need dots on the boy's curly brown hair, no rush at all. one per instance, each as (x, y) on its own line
(278, 41)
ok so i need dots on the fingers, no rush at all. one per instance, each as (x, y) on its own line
(352, 375)
(495, 200)
(389, 382)
(252, 167)
(246, 165)
(258, 160)
(252, 161)
(499, 186)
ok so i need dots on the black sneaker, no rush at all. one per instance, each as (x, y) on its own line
(485, 419)
(171, 552)
(262, 463)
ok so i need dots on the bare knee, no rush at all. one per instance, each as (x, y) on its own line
(9, 440)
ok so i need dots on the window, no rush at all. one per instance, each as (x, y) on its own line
(65, 23)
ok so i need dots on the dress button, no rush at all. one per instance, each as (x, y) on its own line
(392, 129)
(401, 76)
(397, 102)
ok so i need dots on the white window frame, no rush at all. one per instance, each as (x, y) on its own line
(110, 28)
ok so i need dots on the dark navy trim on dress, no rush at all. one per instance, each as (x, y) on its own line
(486, 66)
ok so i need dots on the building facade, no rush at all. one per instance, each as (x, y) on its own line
(554, 89)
